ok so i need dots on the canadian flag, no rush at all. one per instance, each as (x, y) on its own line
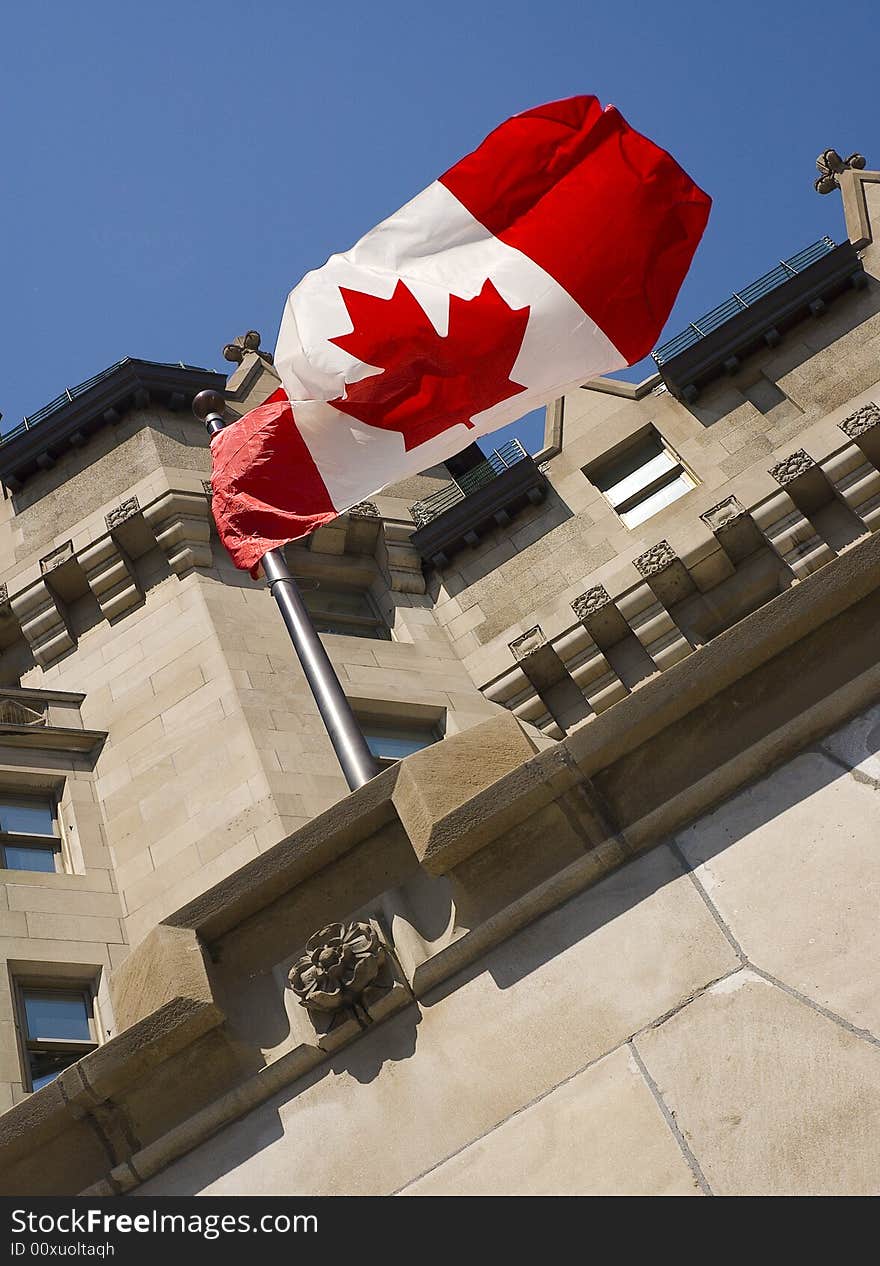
(552, 253)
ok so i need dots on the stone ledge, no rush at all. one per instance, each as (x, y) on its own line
(520, 834)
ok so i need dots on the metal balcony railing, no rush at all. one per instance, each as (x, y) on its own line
(500, 460)
(743, 299)
(67, 397)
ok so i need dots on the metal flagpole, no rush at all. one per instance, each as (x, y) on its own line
(357, 761)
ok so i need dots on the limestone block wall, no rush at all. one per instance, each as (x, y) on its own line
(778, 401)
(703, 1020)
(116, 589)
(64, 926)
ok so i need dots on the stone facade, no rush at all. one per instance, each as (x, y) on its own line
(614, 931)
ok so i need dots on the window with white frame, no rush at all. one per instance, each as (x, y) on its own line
(642, 479)
(29, 835)
(389, 743)
(58, 1028)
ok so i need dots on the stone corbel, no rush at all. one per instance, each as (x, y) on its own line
(41, 615)
(653, 626)
(857, 481)
(665, 573)
(401, 561)
(515, 692)
(9, 630)
(110, 577)
(181, 523)
(791, 535)
(731, 524)
(589, 669)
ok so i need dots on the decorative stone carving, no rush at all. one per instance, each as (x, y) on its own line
(864, 419)
(831, 166)
(797, 463)
(655, 559)
(4, 595)
(420, 515)
(56, 557)
(591, 602)
(365, 510)
(125, 510)
(14, 712)
(724, 514)
(239, 347)
(531, 641)
(339, 963)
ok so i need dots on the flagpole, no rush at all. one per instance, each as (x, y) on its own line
(357, 761)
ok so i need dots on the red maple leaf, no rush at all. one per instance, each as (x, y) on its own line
(430, 382)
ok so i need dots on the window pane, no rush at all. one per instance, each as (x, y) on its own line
(658, 500)
(46, 1065)
(629, 461)
(22, 857)
(646, 474)
(390, 743)
(57, 1015)
(338, 601)
(27, 817)
(338, 625)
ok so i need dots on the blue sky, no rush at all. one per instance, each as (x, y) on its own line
(170, 171)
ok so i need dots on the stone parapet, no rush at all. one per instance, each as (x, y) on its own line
(446, 856)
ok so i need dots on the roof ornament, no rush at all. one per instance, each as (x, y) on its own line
(830, 166)
(250, 342)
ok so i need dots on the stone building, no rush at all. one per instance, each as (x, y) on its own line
(609, 925)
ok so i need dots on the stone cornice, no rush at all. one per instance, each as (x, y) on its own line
(53, 738)
(747, 700)
(622, 784)
(70, 420)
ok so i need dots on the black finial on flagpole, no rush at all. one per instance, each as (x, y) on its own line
(357, 761)
(208, 407)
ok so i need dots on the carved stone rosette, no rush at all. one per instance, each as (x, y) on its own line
(655, 559)
(56, 557)
(338, 965)
(123, 512)
(791, 467)
(864, 419)
(530, 641)
(724, 514)
(364, 510)
(591, 602)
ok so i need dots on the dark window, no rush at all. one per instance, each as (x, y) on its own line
(643, 479)
(58, 1029)
(347, 611)
(28, 833)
